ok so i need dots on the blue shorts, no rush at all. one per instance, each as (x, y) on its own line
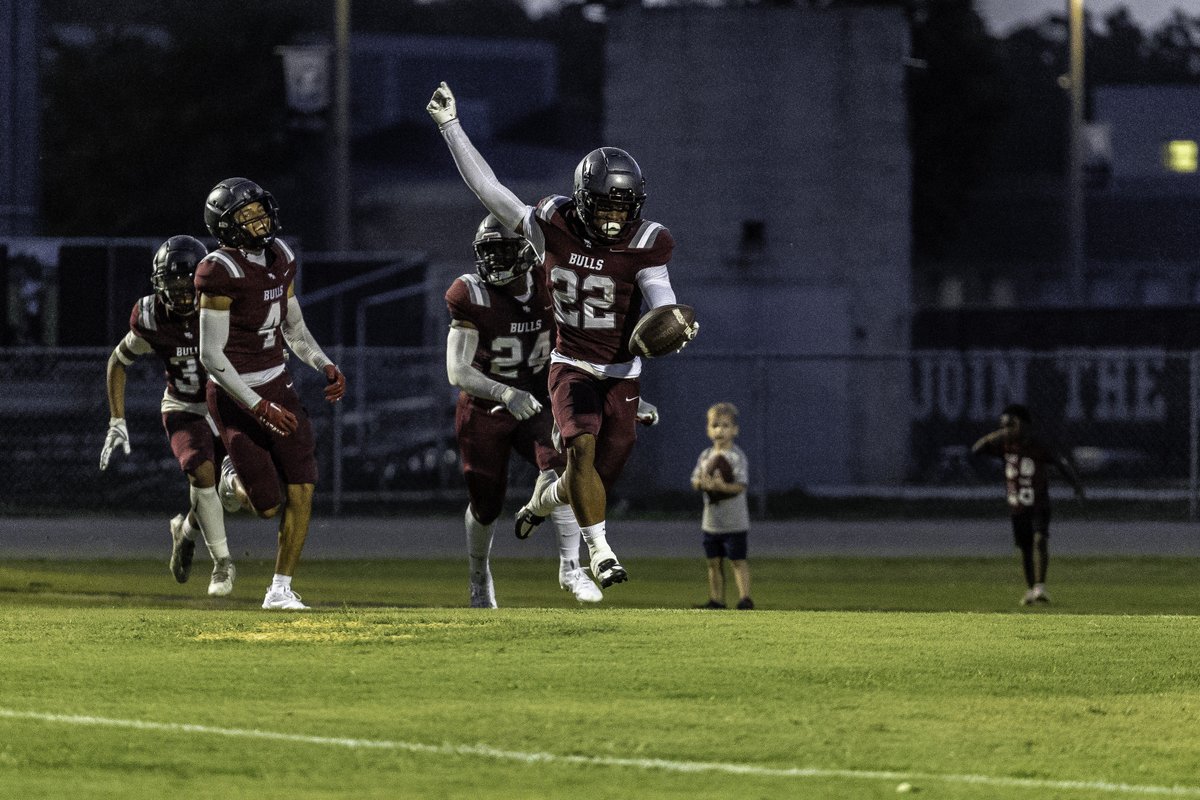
(726, 545)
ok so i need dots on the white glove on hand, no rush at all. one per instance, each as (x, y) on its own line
(521, 405)
(647, 414)
(691, 331)
(441, 105)
(118, 436)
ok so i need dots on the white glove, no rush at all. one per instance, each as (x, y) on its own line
(441, 105)
(647, 414)
(690, 332)
(118, 436)
(521, 405)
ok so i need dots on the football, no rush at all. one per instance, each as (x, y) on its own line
(663, 330)
(719, 465)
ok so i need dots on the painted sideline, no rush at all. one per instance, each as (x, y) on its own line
(665, 765)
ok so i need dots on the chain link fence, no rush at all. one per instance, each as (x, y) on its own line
(824, 434)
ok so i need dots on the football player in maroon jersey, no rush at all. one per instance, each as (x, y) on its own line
(1025, 458)
(165, 323)
(601, 260)
(501, 323)
(248, 310)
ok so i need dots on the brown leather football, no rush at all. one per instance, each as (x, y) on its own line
(662, 330)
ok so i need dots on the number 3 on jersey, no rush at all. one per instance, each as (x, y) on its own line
(508, 355)
(598, 293)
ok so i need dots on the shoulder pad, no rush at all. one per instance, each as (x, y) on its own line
(647, 234)
(228, 262)
(145, 314)
(477, 290)
(546, 208)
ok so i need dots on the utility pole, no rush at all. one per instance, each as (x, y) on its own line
(340, 231)
(1076, 243)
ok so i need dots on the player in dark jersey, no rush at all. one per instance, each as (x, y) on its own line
(248, 310)
(501, 323)
(601, 261)
(165, 323)
(1026, 458)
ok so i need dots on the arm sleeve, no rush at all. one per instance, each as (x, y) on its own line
(655, 283)
(214, 333)
(494, 195)
(131, 347)
(460, 349)
(300, 339)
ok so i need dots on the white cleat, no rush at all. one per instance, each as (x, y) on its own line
(225, 490)
(606, 569)
(1029, 598)
(534, 512)
(282, 599)
(578, 583)
(221, 583)
(1039, 593)
(182, 551)
(483, 591)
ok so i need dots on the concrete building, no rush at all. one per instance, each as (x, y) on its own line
(774, 141)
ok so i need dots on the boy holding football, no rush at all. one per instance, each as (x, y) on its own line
(721, 474)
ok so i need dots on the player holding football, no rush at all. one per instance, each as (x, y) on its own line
(501, 323)
(600, 258)
(248, 309)
(165, 323)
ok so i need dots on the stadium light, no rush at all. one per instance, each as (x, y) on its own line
(1076, 246)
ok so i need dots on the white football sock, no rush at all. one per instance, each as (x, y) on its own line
(281, 581)
(594, 536)
(553, 495)
(568, 538)
(479, 544)
(189, 530)
(207, 507)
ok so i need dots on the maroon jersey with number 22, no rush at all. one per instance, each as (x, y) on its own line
(597, 300)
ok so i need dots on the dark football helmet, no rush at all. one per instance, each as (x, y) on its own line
(226, 219)
(501, 256)
(609, 193)
(174, 272)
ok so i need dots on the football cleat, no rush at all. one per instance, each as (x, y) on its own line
(483, 591)
(534, 512)
(713, 604)
(606, 570)
(1029, 598)
(745, 604)
(182, 550)
(225, 490)
(282, 598)
(221, 582)
(1039, 594)
(578, 583)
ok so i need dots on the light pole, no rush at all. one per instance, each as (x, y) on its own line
(1076, 244)
(340, 233)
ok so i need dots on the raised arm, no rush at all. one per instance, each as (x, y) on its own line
(495, 196)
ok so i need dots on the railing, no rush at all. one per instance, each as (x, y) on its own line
(823, 434)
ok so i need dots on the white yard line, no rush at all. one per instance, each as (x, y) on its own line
(664, 765)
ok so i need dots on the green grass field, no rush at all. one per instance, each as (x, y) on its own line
(856, 676)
